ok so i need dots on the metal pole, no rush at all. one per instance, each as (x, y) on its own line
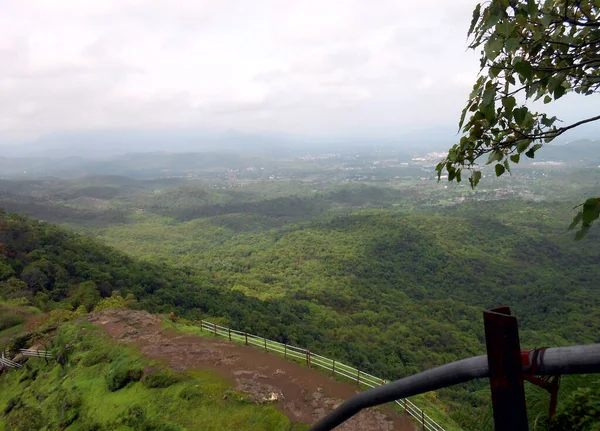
(215, 327)
(423, 419)
(506, 370)
(333, 369)
(229, 334)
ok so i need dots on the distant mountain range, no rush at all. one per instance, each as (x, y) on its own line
(144, 155)
(581, 151)
(103, 144)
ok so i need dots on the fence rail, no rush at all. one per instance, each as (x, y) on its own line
(7, 362)
(36, 353)
(314, 360)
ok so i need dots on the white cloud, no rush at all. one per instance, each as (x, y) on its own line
(312, 67)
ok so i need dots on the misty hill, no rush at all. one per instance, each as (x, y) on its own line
(584, 151)
(137, 165)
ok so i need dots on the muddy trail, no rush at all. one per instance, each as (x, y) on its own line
(304, 395)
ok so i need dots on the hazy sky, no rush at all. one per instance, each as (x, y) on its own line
(315, 67)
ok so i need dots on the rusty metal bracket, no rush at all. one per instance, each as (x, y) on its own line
(505, 370)
(532, 358)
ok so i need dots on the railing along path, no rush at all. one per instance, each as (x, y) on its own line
(32, 353)
(312, 359)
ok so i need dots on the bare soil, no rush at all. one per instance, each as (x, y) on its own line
(304, 395)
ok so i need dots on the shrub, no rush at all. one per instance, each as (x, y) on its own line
(191, 393)
(53, 319)
(96, 356)
(14, 402)
(29, 374)
(25, 418)
(580, 411)
(19, 301)
(136, 418)
(67, 407)
(116, 301)
(123, 372)
(8, 320)
(89, 425)
(162, 379)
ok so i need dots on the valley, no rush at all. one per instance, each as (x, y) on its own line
(387, 272)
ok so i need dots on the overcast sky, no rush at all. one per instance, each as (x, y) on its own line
(312, 67)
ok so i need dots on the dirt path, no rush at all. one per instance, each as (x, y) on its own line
(304, 395)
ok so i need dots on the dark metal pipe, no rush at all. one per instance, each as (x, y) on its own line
(567, 360)
(554, 361)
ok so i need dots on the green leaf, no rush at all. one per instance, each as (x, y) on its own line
(462, 118)
(506, 28)
(524, 69)
(548, 121)
(581, 233)
(475, 18)
(488, 96)
(451, 172)
(511, 44)
(495, 156)
(509, 103)
(531, 152)
(576, 220)
(520, 114)
(494, 71)
(522, 145)
(559, 92)
(506, 165)
(532, 7)
(590, 211)
(547, 99)
(499, 169)
(493, 47)
(474, 180)
(515, 158)
(453, 154)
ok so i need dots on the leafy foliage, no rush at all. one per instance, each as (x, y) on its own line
(530, 50)
(116, 301)
(122, 372)
(162, 379)
(581, 410)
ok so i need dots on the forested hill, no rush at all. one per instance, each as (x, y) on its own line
(388, 292)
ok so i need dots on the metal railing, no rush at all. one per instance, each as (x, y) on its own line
(36, 353)
(7, 362)
(32, 353)
(312, 359)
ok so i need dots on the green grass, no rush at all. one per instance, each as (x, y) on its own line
(79, 393)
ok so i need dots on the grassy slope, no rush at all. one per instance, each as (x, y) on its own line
(77, 397)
